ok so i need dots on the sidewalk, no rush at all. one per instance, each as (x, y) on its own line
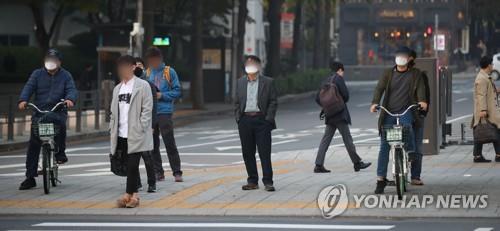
(183, 115)
(217, 191)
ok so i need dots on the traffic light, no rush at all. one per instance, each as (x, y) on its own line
(428, 31)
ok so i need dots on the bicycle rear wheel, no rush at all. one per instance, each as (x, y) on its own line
(400, 176)
(46, 168)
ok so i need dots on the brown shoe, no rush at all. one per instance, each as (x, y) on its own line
(250, 186)
(417, 182)
(133, 202)
(122, 202)
(178, 178)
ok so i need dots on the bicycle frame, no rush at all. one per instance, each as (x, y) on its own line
(399, 144)
(49, 166)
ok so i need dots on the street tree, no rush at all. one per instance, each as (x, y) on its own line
(197, 48)
(273, 67)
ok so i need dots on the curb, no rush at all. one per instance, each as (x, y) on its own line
(178, 121)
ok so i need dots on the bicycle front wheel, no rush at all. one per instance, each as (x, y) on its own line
(46, 168)
(400, 175)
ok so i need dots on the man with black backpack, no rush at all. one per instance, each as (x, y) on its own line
(416, 157)
(165, 79)
(332, 97)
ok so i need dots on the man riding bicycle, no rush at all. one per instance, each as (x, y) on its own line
(401, 87)
(49, 85)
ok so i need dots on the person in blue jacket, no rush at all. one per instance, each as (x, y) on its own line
(169, 89)
(49, 85)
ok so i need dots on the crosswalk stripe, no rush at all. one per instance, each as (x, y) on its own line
(216, 225)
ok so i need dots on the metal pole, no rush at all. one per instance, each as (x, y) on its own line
(139, 37)
(79, 114)
(234, 53)
(436, 26)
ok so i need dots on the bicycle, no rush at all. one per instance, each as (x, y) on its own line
(46, 132)
(397, 135)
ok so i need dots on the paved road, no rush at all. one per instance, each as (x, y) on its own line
(215, 142)
(194, 223)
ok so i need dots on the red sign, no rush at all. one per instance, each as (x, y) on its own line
(287, 30)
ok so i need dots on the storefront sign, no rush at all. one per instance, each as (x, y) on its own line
(212, 59)
(404, 14)
(287, 30)
(439, 42)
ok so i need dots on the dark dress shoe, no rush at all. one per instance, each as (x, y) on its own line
(497, 158)
(151, 188)
(361, 165)
(28, 184)
(250, 187)
(269, 188)
(380, 186)
(321, 169)
(160, 177)
(481, 159)
(61, 159)
(178, 178)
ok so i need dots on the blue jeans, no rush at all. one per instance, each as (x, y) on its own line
(416, 165)
(383, 155)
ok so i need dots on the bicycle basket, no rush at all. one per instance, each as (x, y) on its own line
(395, 133)
(44, 129)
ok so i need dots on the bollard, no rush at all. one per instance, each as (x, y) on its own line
(97, 109)
(79, 114)
(10, 120)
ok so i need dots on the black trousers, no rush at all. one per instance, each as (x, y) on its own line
(150, 168)
(165, 127)
(478, 148)
(255, 134)
(133, 160)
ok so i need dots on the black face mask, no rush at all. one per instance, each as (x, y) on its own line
(138, 72)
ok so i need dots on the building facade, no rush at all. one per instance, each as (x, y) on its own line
(371, 30)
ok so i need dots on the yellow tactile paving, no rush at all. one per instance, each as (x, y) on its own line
(177, 200)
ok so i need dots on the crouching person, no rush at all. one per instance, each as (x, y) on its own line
(130, 124)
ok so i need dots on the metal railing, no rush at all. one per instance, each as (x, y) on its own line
(91, 113)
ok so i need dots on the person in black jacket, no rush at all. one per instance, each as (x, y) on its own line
(146, 156)
(416, 157)
(340, 121)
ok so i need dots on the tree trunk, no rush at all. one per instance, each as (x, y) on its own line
(274, 17)
(197, 46)
(242, 18)
(318, 33)
(42, 35)
(148, 23)
(326, 34)
(297, 34)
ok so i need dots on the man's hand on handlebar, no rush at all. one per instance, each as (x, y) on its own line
(69, 103)
(423, 106)
(373, 108)
(22, 105)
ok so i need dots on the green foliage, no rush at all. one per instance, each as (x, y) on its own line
(300, 82)
(28, 59)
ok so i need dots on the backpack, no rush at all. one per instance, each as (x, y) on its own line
(330, 99)
(166, 75)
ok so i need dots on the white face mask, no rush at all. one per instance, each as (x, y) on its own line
(401, 61)
(251, 69)
(50, 65)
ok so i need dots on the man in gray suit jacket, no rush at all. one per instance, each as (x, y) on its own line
(255, 108)
(130, 124)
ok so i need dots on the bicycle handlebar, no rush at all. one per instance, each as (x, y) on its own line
(401, 114)
(33, 106)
